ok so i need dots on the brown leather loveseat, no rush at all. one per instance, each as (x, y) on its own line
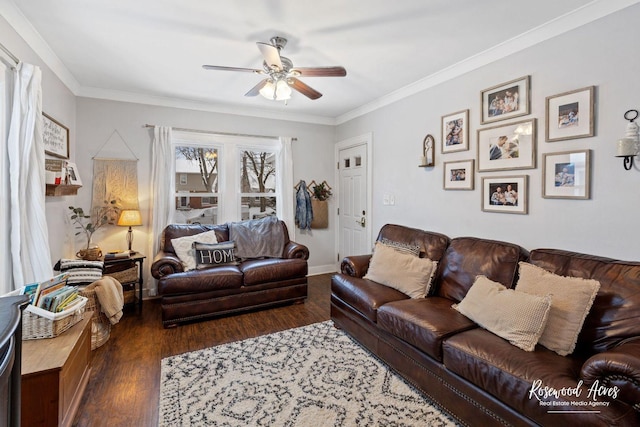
(478, 377)
(251, 284)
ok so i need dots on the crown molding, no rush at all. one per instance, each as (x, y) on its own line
(584, 15)
(160, 101)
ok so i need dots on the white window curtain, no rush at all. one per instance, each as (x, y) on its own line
(162, 185)
(29, 235)
(284, 186)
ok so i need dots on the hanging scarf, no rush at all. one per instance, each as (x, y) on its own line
(304, 212)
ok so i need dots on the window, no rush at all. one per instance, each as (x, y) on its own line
(221, 178)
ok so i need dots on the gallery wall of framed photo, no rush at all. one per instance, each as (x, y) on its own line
(507, 140)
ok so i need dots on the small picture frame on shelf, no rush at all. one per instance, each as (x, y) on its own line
(566, 175)
(570, 115)
(505, 101)
(507, 147)
(455, 132)
(73, 177)
(459, 175)
(428, 151)
(505, 194)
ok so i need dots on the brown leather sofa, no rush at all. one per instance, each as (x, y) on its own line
(478, 377)
(252, 284)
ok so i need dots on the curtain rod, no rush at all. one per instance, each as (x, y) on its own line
(221, 133)
(11, 55)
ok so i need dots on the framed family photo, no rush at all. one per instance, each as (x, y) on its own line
(505, 101)
(506, 194)
(458, 175)
(566, 175)
(570, 115)
(506, 147)
(455, 132)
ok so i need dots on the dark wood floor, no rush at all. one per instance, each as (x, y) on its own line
(125, 378)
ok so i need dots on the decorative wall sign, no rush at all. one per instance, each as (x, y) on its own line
(458, 175)
(566, 175)
(56, 137)
(570, 115)
(505, 101)
(455, 132)
(506, 147)
(506, 194)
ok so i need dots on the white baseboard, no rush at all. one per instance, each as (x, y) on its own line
(322, 269)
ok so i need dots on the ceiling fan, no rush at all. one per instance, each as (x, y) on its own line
(281, 75)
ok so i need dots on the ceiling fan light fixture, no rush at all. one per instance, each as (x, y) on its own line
(268, 90)
(283, 91)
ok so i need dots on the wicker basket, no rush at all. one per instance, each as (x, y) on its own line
(100, 324)
(125, 276)
(39, 323)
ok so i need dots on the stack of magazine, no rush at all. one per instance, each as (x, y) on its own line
(53, 295)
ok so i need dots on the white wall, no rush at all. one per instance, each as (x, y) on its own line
(598, 54)
(97, 120)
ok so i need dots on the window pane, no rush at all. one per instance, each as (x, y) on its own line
(258, 207)
(192, 209)
(257, 172)
(197, 169)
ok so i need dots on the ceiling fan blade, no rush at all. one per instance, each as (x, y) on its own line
(256, 89)
(220, 68)
(304, 89)
(271, 55)
(320, 71)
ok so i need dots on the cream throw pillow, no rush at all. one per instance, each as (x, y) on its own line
(571, 300)
(184, 247)
(517, 317)
(402, 271)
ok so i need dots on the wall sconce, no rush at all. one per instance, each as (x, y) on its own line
(628, 146)
(128, 218)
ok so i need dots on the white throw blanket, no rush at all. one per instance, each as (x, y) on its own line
(109, 293)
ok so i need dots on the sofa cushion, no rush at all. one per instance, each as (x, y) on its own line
(571, 299)
(193, 282)
(469, 257)
(402, 271)
(272, 270)
(173, 231)
(423, 323)
(363, 295)
(492, 364)
(183, 247)
(518, 317)
(615, 314)
(214, 254)
(407, 248)
(432, 245)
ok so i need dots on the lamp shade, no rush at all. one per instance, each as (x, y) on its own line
(129, 217)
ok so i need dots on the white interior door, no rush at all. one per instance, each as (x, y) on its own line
(354, 182)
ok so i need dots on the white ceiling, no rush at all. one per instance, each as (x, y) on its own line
(151, 51)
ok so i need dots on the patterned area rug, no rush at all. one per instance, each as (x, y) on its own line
(310, 376)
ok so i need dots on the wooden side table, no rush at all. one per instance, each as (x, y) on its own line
(55, 373)
(116, 264)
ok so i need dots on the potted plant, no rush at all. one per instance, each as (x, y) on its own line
(320, 206)
(106, 214)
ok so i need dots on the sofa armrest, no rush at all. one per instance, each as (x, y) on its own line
(618, 367)
(355, 265)
(296, 250)
(165, 263)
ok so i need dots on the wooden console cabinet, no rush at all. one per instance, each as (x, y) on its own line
(55, 373)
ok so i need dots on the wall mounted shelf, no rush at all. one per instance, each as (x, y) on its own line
(62, 190)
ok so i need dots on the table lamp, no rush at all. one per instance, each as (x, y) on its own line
(129, 218)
